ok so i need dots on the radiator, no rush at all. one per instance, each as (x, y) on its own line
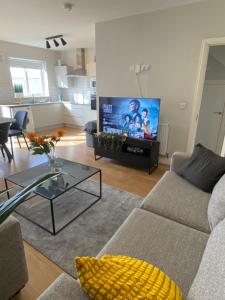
(163, 137)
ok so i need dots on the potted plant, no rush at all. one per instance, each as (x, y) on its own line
(110, 141)
(45, 144)
(7, 207)
(18, 90)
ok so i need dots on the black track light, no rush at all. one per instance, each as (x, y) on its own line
(55, 39)
(48, 44)
(63, 41)
(56, 43)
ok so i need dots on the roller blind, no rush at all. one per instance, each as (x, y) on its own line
(26, 63)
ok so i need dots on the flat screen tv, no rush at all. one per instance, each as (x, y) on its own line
(133, 117)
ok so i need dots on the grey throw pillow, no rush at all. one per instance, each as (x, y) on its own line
(216, 208)
(203, 169)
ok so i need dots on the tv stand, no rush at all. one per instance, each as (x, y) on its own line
(136, 152)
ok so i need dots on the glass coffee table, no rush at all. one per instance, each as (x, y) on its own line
(55, 192)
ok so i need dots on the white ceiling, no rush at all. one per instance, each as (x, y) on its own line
(28, 22)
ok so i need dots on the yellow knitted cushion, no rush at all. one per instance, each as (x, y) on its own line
(123, 277)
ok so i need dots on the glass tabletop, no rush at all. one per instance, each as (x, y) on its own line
(72, 174)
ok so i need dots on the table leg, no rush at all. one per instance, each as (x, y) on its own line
(9, 155)
(53, 217)
(100, 180)
(7, 188)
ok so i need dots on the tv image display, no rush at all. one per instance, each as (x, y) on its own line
(133, 117)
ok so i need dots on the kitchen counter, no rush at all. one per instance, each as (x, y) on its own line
(41, 115)
(29, 104)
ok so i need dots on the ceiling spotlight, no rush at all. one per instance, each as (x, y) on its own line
(48, 44)
(63, 41)
(56, 43)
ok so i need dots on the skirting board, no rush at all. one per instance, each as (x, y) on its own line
(164, 160)
(73, 126)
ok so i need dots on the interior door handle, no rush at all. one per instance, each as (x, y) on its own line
(218, 113)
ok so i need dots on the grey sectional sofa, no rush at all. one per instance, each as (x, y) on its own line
(13, 268)
(170, 230)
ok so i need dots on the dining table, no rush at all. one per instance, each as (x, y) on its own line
(4, 120)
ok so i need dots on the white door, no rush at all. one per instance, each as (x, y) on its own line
(211, 122)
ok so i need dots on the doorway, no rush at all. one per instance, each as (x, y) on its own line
(211, 119)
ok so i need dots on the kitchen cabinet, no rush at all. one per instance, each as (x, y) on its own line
(76, 115)
(61, 76)
(47, 116)
(41, 116)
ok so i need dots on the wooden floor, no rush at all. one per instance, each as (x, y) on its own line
(42, 272)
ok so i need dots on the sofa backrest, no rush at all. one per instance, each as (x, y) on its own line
(216, 208)
(209, 283)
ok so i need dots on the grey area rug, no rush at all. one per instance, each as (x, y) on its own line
(85, 236)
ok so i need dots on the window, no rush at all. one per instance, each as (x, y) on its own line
(29, 77)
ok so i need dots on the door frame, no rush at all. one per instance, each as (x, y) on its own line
(203, 60)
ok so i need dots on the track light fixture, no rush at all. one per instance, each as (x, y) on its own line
(56, 43)
(48, 44)
(54, 38)
(63, 41)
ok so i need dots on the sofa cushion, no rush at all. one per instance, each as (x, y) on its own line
(64, 287)
(177, 199)
(216, 208)
(203, 169)
(209, 283)
(172, 247)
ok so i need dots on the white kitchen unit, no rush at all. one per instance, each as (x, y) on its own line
(47, 116)
(61, 76)
(76, 115)
(41, 116)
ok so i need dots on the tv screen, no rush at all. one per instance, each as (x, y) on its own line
(134, 117)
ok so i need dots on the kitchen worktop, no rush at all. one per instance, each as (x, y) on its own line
(29, 104)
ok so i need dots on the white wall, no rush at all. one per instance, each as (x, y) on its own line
(170, 41)
(20, 51)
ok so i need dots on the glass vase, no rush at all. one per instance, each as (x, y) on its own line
(52, 161)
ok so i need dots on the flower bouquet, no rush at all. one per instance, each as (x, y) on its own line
(45, 144)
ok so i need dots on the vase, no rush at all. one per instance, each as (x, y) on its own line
(52, 161)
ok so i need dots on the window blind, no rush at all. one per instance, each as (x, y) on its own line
(26, 63)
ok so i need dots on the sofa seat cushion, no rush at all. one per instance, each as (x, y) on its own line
(177, 199)
(64, 288)
(209, 283)
(172, 247)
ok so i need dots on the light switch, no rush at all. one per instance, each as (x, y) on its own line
(137, 68)
(183, 105)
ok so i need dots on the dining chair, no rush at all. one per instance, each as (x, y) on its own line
(4, 134)
(18, 127)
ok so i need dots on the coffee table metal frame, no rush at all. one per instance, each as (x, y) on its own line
(54, 232)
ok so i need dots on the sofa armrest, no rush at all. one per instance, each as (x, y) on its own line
(177, 159)
(13, 268)
(64, 287)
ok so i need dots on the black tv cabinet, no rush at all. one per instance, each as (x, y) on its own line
(136, 152)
